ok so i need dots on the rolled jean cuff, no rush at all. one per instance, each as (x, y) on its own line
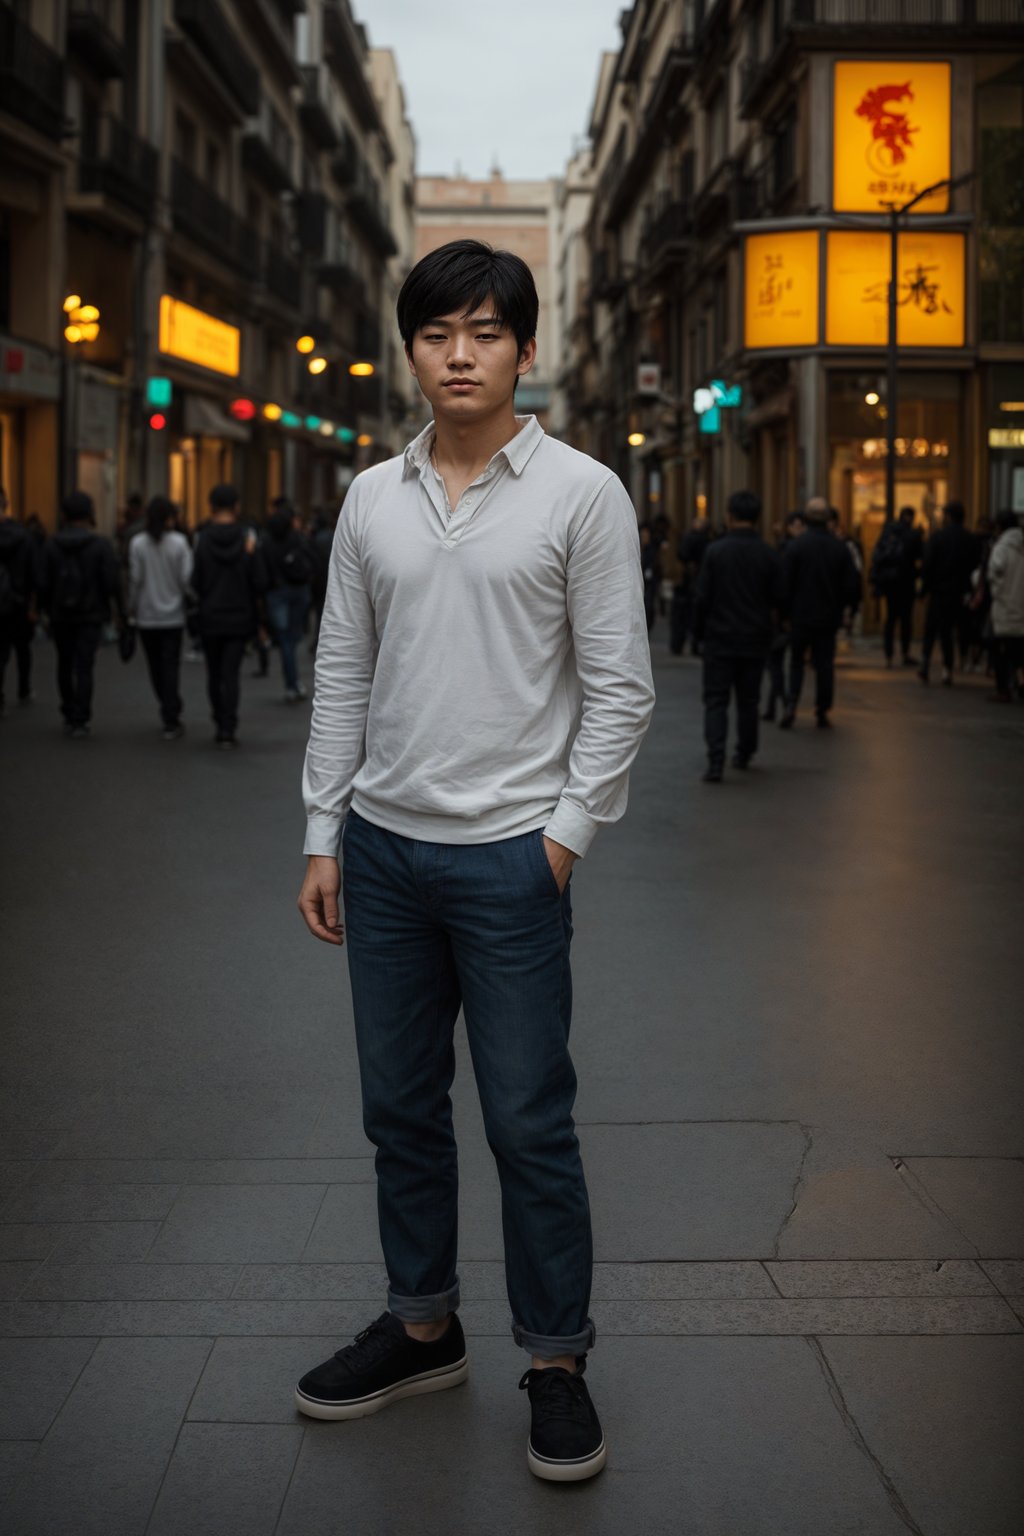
(546, 1347)
(424, 1309)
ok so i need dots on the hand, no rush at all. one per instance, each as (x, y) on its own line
(561, 860)
(318, 899)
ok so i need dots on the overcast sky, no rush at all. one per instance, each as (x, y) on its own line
(512, 79)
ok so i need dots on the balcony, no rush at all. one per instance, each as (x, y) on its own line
(606, 281)
(91, 40)
(205, 218)
(311, 222)
(713, 205)
(345, 160)
(116, 163)
(367, 214)
(31, 77)
(345, 47)
(368, 347)
(315, 112)
(610, 185)
(206, 26)
(282, 276)
(668, 237)
(268, 149)
(337, 269)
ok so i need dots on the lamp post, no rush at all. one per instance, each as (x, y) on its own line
(896, 212)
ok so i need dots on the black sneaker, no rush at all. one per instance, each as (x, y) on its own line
(740, 760)
(382, 1365)
(566, 1444)
(712, 774)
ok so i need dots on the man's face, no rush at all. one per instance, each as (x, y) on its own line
(467, 365)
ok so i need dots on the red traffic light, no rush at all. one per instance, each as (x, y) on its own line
(242, 410)
(158, 421)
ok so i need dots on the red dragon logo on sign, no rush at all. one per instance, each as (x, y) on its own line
(891, 130)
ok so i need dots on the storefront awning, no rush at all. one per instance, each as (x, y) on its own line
(204, 418)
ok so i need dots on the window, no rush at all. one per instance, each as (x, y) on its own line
(213, 160)
(185, 139)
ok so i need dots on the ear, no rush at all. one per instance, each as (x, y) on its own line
(527, 357)
(412, 365)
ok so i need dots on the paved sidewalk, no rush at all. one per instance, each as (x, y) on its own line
(797, 1036)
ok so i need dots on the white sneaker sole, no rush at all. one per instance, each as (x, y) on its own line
(361, 1407)
(566, 1471)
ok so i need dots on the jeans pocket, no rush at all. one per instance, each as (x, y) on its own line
(537, 838)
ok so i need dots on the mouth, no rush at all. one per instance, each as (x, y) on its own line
(461, 386)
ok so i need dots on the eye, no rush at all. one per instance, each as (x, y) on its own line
(487, 336)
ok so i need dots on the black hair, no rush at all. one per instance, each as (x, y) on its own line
(1007, 519)
(462, 276)
(794, 517)
(77, 507)
(907, 514)
(955, 512)
(159, 513)
(224, 498)
(744, 507)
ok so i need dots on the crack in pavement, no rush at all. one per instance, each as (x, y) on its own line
(808, 1144)
(835, 1391)
(930, 1204)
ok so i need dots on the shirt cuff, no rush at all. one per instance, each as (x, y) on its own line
(571, 826)
(323, 835)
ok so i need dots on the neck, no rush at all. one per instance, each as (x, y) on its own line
(475, 443)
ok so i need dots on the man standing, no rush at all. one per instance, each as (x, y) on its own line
(227, 581)
(78, 583)
(738, 598)
(950, 558)
(820, 582)
(894, 577)
(482, 687)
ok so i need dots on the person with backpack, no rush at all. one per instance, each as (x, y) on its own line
(227, 580)
(15, 596)
(78, 584)
(894, 578)
(288, 563)
(160, 567)
(1006, 584)
(950, 559)
(821, 584)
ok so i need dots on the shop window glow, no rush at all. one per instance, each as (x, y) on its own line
(272, 412)
(364, 440)
(317, 364)
(305, 345)
(361, 370)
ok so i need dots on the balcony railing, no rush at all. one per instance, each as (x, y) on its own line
(337, 269)
(669, 233)
(311, 222)
(282, 276)
(116, 162)
(31, 76)
(345, 160)
(366, 212)
(345, 47)
(314, 107)
(92, 40)
(268, 149)
(210, 222)
(205, 23)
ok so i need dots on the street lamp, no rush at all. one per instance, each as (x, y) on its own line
(896, 211)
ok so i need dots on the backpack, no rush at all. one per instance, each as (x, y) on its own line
(887, 560)
(70, 590)
(297, 564)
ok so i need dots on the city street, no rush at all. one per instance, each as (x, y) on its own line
(797, 1034)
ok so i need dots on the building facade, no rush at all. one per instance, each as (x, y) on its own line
(516, 216)
(745, 156)
(214, 177)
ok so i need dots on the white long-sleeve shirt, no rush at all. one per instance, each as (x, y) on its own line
(484, 673)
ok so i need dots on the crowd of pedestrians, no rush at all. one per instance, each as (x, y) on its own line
(754, 611)
(228, 587)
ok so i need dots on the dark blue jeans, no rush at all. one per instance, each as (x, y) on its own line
(431, 927)
(287, 608)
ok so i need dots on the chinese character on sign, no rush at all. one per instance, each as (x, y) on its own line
(916, 289)
(891, 130)
(772, 285)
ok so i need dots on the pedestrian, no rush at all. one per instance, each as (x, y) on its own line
(483, 683)
(288, 564)
(950, 559)
(1006, 584)
(738, 601)
(856, 553)
(78, 586)
(894, 565)
(691, 550)
(650, 569)
(793, 527)
(320, 548)
(159, 572)
(16, 586)
(820, 583)
(227, 580)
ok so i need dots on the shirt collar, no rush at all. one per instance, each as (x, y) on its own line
(517, 452)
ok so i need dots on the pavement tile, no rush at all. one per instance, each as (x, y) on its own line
(984, 1196)
(23, 1142)
(14, 1276)
(225, 1223)
(15, 1456)
(238, 1170)
(90, 1202)
(130, 1282)
(338, 1131)
(314, 1281)
(1007, 1275)
(691, 1450)
(226, 1480)
(237, 1121)
(946, 1419)
(866, 1213)
(36, 1376)
(43, 1106)
(901, 1277)
(100, 1467)
(253, 1380)
(30, 1240)
(346, 1227)
(104, 1242)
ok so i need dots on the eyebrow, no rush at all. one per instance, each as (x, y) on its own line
(483, 320)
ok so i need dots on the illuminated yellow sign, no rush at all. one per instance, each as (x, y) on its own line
(781, 283)
(890, 134)
(199, 338)
(929, 289)
(1006, 437)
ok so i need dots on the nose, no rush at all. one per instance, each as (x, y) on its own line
(460, 351)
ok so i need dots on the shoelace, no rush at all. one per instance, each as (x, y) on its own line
(560, 1396)
(370, 1345)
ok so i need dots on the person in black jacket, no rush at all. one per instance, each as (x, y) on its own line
(288, 562)
(950, 558)
(77, 585)
(894, 563)
(691, 550)
(738, 597)
(794, 527)
(820, 582)
(16, 585)
(227, 580)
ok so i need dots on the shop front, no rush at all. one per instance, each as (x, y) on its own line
(30, 387)
(1004, 437)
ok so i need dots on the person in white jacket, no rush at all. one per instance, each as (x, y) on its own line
(160, 568)
(1006, 584)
